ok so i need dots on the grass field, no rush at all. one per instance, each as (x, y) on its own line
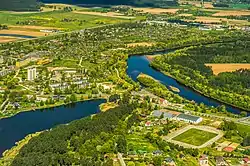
(195, 137)
(228, 67)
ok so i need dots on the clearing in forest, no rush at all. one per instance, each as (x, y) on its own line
(227, 67)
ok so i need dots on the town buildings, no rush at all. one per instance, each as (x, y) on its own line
(31, 71)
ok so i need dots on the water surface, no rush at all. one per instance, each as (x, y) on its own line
(15, 128)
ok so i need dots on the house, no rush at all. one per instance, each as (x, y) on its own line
(231, 147)
(220, 161)
(148, 124)
(203, 160)
(189, 118)
(157, 152)
(169, 161)
(246, 160)
(16, 105)
(182, 156)
(228, 149)
(166, 114)
(163, 101)
(222, 145)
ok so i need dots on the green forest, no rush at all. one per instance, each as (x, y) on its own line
(21, 5)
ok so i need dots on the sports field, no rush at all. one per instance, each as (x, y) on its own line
(195, 137)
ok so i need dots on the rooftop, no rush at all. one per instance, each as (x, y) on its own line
(188, 117)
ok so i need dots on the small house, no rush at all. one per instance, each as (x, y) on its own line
(157, 152)
(220, 161)
(169, 161)
(203, 160)
(246, 160)
(148, 124)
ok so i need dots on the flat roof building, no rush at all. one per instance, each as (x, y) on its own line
(189, 118)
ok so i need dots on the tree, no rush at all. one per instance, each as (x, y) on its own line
(246, 141)
(41, 103)
(73, 98)
(121, 144)
(157, 161)
(131, 163)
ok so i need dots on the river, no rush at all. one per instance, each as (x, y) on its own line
(140, 64)
(18, 36)
(15, 128)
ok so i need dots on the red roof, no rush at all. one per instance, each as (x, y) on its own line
(148, 123)
(246, 160)
(203, 157)
(228, 149)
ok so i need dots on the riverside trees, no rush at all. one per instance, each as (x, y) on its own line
(188, 66)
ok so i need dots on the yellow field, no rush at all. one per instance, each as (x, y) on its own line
(31, 27)
(232, 13)
(156, 10)
(22, 32)
(228, 67)
(108, 14)
(5, 39)
(211, 20)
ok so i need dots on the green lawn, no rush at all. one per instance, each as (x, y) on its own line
(195, 137)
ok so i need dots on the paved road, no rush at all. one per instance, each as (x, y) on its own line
(169, 137)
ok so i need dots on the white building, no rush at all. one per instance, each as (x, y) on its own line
(31, 73)
(189, 118)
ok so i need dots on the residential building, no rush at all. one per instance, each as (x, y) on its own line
(189, 118)
(157, 152)
(5, 72)
(203, 160)
(220, 161)
(31, 73)
(246, 160)
(166, 114)
(169, 161)
(148, 124)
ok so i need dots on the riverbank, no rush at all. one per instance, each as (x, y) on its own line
(10, 154)
(17, 127)
(196, 90)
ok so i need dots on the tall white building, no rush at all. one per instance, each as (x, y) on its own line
(31, 73)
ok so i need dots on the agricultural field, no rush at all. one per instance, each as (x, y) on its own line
(195, 137)
(228, 67)
(231, 13)
(156, 10)
(55, 18)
